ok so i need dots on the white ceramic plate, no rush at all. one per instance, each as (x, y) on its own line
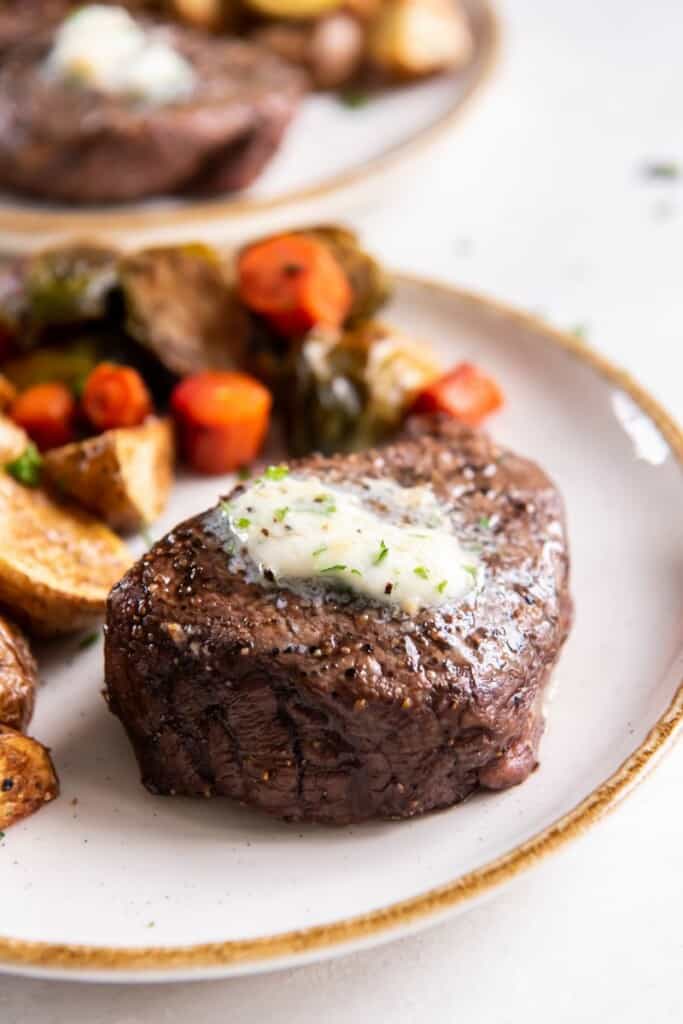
(330, 152)
(111, 882)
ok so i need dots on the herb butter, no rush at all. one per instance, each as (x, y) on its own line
(104, 48)
(384, 542)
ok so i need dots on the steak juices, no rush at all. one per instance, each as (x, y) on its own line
(308, 690)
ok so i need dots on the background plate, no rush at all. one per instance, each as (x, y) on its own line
(110, 882)
(330, 149)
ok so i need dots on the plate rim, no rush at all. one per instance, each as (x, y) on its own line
(318, 941)
(25, 221)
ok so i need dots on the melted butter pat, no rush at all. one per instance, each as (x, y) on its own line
(385, 542)
(104, 48)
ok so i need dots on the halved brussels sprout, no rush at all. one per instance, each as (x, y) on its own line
(352, 391)
(70, 364)
(70, 285)
(370, 283)
(66, 285)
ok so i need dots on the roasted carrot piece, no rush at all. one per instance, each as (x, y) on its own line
(466, 393)
(295, 282)
(222, 419)
(115, 396)
(47, 412)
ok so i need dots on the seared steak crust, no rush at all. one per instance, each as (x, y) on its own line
(339, 712)
(64, 142)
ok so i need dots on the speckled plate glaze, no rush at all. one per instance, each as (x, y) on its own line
(332, 154)
(111, 883)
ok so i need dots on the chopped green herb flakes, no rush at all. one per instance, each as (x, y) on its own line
(243, 523)
(421, 571)
(28, 467)
(276, 472)
(381, 554)
(334, 568)
(280, 513)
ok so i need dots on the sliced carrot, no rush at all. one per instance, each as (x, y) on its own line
(47, 412)
(466, 393)
(295, 282)
(222, 419)
(115, 396)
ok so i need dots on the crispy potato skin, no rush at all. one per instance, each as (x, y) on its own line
(27, 777)
(124, 476)
(57, 563)
(18, 677)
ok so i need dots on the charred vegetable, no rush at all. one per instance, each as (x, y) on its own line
(370, 283)
(179, 305)
(123, 475)
(70, 284)
(27, 777)
(67, 363)
(352, 391)
(18, 677)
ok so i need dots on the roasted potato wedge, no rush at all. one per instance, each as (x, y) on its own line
(180, 306)
(411, 38)
(27, 777)
(13, 441)
(57, 564)
(7, 392)
(124, 476)
(18, 677)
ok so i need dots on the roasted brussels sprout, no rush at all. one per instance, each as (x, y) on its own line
(70, 364)
(370, 283)
(179, 305)
(67, 285)
(352, 391)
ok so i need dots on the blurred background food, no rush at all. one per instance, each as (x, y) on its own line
(107, 103)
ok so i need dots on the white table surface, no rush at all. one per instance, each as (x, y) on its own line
(538, 198)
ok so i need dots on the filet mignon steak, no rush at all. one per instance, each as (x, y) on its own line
(76, 144)
(336, 710)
